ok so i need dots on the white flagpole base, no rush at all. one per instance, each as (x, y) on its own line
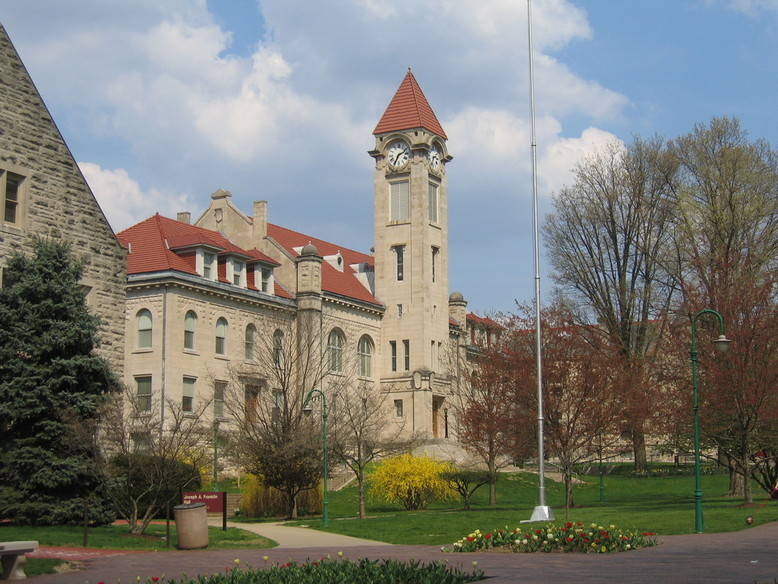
(540, 513)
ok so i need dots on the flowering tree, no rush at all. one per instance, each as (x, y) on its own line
(726, 235)
(492, 424)
(581, 386)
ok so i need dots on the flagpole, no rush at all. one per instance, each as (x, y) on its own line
(541, 512)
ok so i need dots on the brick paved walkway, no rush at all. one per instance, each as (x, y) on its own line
(727, 558)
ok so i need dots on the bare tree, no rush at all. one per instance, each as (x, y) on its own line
(146, 462)
(360, 432)
(264, 400)
(609, 242)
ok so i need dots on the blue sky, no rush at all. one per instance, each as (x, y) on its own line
(163, 103)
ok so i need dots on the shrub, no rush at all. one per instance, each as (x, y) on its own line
(467, 481)
(258, 500)
(414, 481)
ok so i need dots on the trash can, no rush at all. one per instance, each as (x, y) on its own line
(191, 525)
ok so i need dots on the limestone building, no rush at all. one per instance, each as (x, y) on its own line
(45, 195)
(209, 300)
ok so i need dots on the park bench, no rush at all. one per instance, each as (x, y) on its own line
(12, 558)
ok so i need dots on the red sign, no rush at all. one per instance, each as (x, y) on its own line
(214, 502)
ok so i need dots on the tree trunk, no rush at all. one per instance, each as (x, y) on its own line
(492, 484)
(568, 476)
(361, 488)
(745, 466)
(639, 449)
(735, 483)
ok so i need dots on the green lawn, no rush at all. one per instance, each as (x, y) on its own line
(117, 537)
(663, 505)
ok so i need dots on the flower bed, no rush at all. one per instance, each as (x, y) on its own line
(571, 537)
(337, 570)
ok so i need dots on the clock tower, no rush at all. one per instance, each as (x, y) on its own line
(411, 258)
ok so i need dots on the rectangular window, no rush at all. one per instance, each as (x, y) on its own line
(400, 210)
(398, 408)
(251, 398)
(266, 274)
(407, 347)
(208, 268)
(143, 393)
(141, 441)
(187, 402)
(433, 202)
(399, 251)
(237, 272)
(399, 310)
(435, 254)
(12, 196)
(219, 389)
(393, 346)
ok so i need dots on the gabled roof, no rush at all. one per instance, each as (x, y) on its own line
(151, 246)
(334, 281)
(409, 109)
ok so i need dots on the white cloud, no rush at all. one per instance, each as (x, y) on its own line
(124, 202)
(753, 7)
(560, 158)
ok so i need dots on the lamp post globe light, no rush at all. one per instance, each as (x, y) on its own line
(722, 344)
(307, 409)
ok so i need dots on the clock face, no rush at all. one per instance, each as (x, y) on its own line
(434, 157)
(398, 153)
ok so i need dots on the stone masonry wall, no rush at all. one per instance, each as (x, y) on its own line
(55, 200)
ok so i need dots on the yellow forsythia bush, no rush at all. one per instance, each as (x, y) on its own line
(414, 481)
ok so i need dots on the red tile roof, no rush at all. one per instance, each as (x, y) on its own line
(343, 283)
(151, 244)
(483, 320)
(409, 109)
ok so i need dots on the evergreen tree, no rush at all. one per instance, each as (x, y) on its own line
(51, 382)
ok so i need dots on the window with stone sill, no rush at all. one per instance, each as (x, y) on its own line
(144, 329)
(12, 188)
(221, 336)
(188, 395)
(365, 356)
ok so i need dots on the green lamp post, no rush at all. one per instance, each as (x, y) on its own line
(722, 343)
(307, 408)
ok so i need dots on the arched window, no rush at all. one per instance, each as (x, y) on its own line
(365, 354)
(190, 324)
(221, 336)
(335, 351)
(278, 348)
(144, 329)
(250, 342)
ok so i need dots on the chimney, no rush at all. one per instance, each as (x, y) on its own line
(260, 223)
(184, 217)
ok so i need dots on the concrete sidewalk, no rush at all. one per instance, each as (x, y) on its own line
(288, 536)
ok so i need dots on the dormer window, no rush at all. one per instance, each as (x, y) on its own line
(206, 264)
(237, 272)
(263, 278)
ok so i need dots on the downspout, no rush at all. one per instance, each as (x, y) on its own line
(164, 363)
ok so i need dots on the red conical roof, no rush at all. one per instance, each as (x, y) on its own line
(409, 109)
